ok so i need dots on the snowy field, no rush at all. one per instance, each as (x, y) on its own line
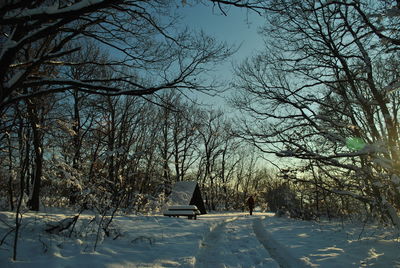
(214, 240)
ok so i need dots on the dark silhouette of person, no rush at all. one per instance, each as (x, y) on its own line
(250, 203)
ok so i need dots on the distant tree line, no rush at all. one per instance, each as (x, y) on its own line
(122, 150)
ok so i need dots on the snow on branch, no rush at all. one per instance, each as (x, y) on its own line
(54, 11)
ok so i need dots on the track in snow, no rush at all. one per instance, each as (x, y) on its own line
(232, 243)
(277, 251)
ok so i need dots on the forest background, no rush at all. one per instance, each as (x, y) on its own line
(95, 111)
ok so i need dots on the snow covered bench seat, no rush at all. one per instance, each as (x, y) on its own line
(190, 211)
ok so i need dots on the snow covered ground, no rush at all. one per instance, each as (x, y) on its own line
(214, 240)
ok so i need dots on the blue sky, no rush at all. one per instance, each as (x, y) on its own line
(239, 28)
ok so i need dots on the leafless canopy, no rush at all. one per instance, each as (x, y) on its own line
(149, 50)
(328, 76)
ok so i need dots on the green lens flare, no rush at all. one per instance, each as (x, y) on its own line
(354, 143)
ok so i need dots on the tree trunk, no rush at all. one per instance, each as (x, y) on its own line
(10, 177)
(35, 198)
(35, 123)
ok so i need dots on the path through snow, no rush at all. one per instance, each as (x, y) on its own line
(230, 243)
(279, 252)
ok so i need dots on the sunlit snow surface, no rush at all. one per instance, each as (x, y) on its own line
(214, 240)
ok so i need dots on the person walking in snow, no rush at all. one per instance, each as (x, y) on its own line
(250, 203)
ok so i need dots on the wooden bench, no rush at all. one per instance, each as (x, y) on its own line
(190, 211)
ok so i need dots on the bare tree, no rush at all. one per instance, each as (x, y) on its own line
(319, 87)
(185, 138)
(141, 34)
(211, 134)
(179, 135)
